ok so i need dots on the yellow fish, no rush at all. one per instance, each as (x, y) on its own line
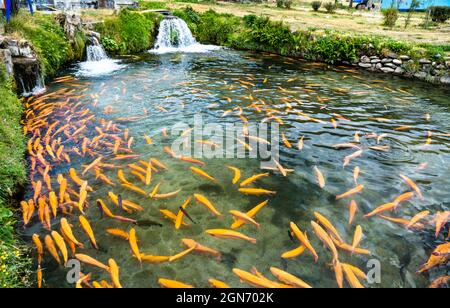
(237, 174)
(88, 229)
(172, 284)
(229, 234)
(254, 179)
(289, 278)
(205, 202)
(115, 273)
(256, 191)
(239, 216)
(58, 239)
(91, 261)
(218, 284)
(133, 244)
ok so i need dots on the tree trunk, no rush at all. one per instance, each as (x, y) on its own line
(351, 4)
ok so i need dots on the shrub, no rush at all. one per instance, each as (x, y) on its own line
(390, 17)
(316, 5)
(330, 7)
(280, 3)
(110, 45)
(132, 32)
(440, 13)
(288, 4)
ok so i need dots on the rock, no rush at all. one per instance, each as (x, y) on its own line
(71, 23)
(27, 73)
(390, 65)
(5, 57)
(374, 57)
(375, 61)
(386, 60)
(378, 66)
(365, 65)
(25, 49)
(365, 59)
(94, 34)
(404, 58)
(392, 55)
(387, 70)
(447, 63)
(397, 62)
(445, 80)
(399, 71)
(420, 75)
(12, 46)
(424, 62)
(440, 67)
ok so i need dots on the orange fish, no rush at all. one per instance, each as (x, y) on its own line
(304, 240)
(320, 177)
(205, 202)
(351, 192)
(412, 185)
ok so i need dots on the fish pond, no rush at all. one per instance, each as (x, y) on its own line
(401, 127)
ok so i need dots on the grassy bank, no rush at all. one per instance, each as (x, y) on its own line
(13, 263)
(302, 17)
(263, 34)
(128, 32)
(49, 41)
(54, 50)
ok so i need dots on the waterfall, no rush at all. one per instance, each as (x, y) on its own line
(95, 51)
(174, 36)
(29, 80)
(97, 61)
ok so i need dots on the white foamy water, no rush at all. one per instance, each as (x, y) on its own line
(99, 68)
(174, 36)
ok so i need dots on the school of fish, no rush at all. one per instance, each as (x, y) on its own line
(62, 131)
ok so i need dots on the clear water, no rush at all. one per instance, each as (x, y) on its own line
(186, 84)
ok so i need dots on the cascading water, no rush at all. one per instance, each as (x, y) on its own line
(97, 61)
(27, 73)
(95, 51)
(174, 36)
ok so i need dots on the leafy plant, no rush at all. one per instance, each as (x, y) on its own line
(288, 4)
(316, 5)
(440, 13)
(131, 31)
(110, 44)
(280, 3)
(391, 16)
(330, 7)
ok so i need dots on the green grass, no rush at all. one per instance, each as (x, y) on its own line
(48, 39)
(128, 32)
(262, 34)
(14, 264)
(152, 5)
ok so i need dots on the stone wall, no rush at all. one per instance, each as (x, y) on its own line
(401, 65)
(21, 63)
